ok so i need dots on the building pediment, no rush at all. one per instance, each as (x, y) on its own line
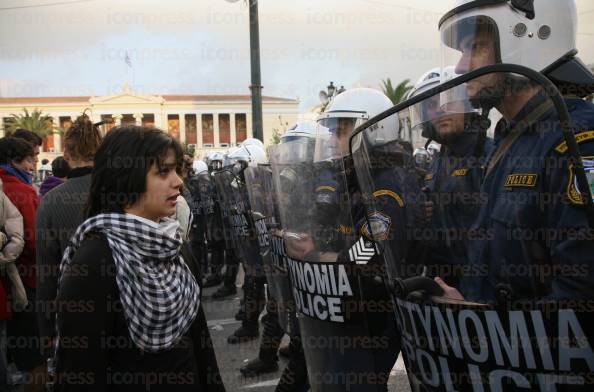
(126, 97)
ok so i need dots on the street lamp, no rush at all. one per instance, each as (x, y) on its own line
(329, 94)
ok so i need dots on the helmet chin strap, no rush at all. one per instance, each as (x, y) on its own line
(484, 124)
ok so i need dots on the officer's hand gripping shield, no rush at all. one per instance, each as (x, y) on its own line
(502, 326)
(324, 272)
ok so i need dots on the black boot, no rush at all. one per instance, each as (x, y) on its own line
(243, 334)
(257, 366)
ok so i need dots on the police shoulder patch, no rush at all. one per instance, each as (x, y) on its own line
(460, 173)
(380, 227)
(391, 194)
(579, 138)
(429, 177)
(521, 180)
(574, 194)
(326, 188)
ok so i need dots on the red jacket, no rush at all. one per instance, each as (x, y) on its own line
(24, 197)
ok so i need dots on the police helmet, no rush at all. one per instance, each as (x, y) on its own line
(538, 34)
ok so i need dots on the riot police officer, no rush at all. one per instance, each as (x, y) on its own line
(220, 237)
(246, 237)
(295, 143)
(454, 178)
(341, 234)
(197, 202)
(531, 154)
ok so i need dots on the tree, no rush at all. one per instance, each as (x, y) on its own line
(278, 132)
(276, 136)
(36, 122)
(396, 94)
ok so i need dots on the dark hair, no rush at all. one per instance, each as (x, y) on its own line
(44, 161)
(82, 139)
(121, 164)
(13, 149)
(60, 167)
(28, 136)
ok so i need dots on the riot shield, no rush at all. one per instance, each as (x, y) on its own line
(213, 225)
(514, 321)
(232, 226)
(326, 261)
(265, 215)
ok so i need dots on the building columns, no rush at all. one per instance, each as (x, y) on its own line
(2, 131)
(215, 125)
(199, 131)
(182, 128)
(57, 137)
(248, 125)
(137, 119)
(158, 120)
(233, 129)
(118, 119)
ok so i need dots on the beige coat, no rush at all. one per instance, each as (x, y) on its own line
(12, 240)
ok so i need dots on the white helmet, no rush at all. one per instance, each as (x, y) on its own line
(538, 34)
(352, 108)
(252, 142)
(250, 155)
(426, 82)
(215, 160)
(421, 156)
(301, 129)
(199, 167)
(433, 149)
(424, 113)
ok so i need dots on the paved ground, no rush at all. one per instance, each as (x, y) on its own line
(220, 316)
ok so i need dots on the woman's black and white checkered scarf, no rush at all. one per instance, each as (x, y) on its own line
(159, 294)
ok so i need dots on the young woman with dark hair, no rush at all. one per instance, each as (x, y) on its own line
(138, 308)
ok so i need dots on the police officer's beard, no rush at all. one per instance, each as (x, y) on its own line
(508, 85)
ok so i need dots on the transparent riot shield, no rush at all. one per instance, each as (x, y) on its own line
(272, 250)
(327, 263)
(241, 219)
(512, 320)
(232, 225)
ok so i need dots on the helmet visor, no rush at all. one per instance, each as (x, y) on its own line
(332, 139)
(468, 44)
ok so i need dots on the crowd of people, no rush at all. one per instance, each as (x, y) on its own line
(434, 230)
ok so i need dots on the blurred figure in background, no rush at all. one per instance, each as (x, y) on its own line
(58, 174)
(60, 213)
(11, 243)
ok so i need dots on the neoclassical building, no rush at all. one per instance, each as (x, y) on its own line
(210, 122)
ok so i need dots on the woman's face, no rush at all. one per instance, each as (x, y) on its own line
(163, 186)
(28, 164)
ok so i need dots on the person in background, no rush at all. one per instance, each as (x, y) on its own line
(45, 170)
(60, 212)
(58, 175)
(11, 245)
(17, 163)
(36, 142)
(183, 213)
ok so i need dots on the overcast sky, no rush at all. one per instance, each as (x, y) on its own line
(202, 46)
